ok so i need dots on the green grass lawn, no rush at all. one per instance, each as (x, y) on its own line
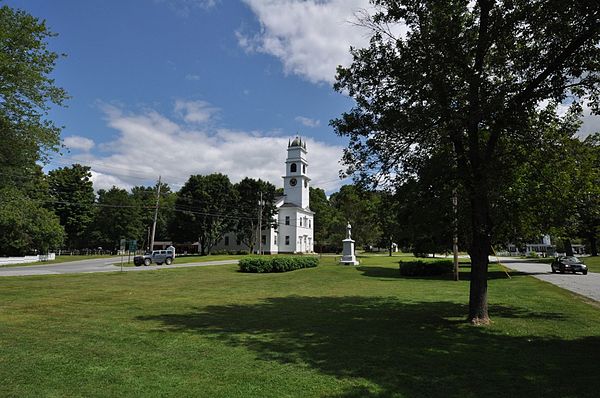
(330, 331)
(61, 259)
(593, 263)
(203, 259)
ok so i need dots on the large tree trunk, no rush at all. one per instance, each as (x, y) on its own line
(479, 251)
(593, 244)
(568, 247)
(202, 242)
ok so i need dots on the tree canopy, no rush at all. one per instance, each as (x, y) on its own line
(26, 94)
(249, 192)
(26, 91)
(72, 199)
(204, 210)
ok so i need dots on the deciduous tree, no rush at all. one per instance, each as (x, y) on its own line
(72, 199)
(204, 210)
(26, 134)
(26, 93)
(116, 218)
(473, 76)
(248, 195)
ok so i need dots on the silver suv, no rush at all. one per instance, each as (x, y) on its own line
(157, 256)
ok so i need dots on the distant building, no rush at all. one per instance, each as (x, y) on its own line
(543, 247)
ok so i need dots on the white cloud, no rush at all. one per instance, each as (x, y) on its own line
(195, 111)
(107, 181)
(78, 142)
(308, 122)
(311, 37)
(192, 77)
(591, 123)
(149, 144)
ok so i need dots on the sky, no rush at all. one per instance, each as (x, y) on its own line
(181, 87)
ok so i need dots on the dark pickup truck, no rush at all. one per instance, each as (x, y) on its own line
(157, 256)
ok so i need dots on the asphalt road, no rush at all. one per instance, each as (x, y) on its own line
(95, 265)
(585, 285)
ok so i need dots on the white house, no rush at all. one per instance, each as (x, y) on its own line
(294, 219)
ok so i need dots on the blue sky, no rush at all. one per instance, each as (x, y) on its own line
(181, 87)
(176, 87)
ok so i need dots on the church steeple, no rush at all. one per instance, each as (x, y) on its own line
(296, 181)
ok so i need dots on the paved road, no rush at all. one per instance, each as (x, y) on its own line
(586, 285)
(95, 265)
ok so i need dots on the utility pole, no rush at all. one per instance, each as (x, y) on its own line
(260, 211)
(147, 238)
(155, 216)
(455, 232)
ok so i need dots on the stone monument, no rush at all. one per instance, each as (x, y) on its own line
(348, 257)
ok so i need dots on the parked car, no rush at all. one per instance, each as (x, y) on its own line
(157, 256)
(572, 264)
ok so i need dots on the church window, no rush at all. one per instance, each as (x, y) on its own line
(264, 239)
(227, 241)
(275, 239)
(293, 168)
(287, 220)
(287, 240)
(309, 223)
(300, 221)
(304, 168)
(305, 183)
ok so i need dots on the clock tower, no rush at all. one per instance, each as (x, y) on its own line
(296, 181)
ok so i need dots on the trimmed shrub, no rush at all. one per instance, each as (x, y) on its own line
(422, 268)
(276, 264)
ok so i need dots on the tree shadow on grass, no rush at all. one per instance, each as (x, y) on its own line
(387, 272)
(402, 349)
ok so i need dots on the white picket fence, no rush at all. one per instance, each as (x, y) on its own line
(27, 259)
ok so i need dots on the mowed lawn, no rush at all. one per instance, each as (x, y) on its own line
(593, 263)
(331, 331)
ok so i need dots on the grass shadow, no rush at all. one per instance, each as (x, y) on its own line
(388, 272)
(393, 348)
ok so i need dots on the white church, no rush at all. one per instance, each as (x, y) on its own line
(294, 219)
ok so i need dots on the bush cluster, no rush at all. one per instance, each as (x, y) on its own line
(276, 264)
(422, 268)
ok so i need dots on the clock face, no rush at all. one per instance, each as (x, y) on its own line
(293, 182)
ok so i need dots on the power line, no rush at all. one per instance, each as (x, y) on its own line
(209, 214)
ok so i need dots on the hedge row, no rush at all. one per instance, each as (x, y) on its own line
(276, 264)
(422, 268)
